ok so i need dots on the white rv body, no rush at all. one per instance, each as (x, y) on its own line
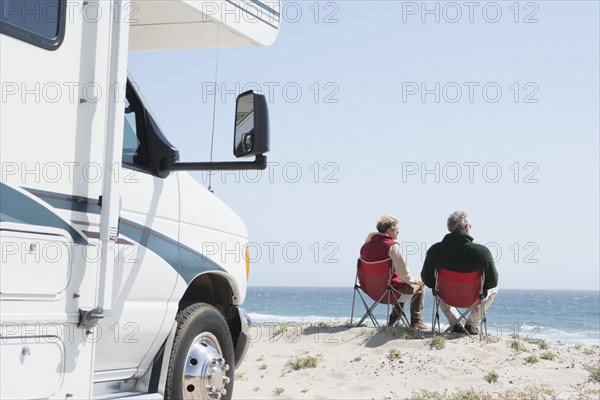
(82, 229)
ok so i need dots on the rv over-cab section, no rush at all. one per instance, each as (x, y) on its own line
(187, 24)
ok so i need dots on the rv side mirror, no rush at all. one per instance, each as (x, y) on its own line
(251, 135)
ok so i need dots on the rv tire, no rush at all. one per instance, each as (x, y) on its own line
(202, 359)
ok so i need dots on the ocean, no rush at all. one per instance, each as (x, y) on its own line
(558, 316)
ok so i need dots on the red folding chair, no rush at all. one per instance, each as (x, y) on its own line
(375, 280)
(460, 290)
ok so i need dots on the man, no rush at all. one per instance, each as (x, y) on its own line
(382, 246)
(457, 252)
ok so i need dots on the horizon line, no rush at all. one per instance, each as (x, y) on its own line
(350, 287)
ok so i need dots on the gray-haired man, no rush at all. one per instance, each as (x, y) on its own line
(457, 252)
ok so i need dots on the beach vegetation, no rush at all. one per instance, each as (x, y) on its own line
(586, 394)
(394, 354)
(548, 355)
(531, 359)
(468, 394)
(304, 390)
(256, 388)
(278, 329)
(491, 377)
(429, 395)
(401, 332)
(577, 347)
(327, 327)
(357, 358)
(588, 351)
(297, 363)
(241, 376)
(517, 345)
(278, 390)
(529, 393)
(334, 324)
(260, 359)
(291, 331)
(367, 332)
(594, 371)
(541, 343)
(262, 366)
(437, 342)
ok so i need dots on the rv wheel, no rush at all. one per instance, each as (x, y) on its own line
(202, 359)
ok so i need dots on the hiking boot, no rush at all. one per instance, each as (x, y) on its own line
(458, 328)
(418, 325)
(471, 330)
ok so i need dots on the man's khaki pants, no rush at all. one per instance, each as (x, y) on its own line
(474, 317)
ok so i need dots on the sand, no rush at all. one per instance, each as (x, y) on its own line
(369, 363)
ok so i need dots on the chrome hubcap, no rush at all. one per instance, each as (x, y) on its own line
(205, 373)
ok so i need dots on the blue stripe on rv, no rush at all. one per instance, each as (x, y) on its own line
(18, 208)
(185, 260)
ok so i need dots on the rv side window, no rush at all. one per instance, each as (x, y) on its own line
(39, 22)
(133, 152)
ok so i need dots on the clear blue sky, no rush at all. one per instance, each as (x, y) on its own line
(524, 163)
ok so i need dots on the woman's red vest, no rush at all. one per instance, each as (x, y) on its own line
(378, 249)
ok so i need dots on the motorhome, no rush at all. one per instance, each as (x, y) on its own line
(120, 276)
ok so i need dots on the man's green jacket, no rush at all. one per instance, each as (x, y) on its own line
(457, 252)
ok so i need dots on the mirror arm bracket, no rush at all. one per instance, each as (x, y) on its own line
(259, 163)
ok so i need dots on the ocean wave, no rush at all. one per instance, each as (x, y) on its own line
(552, 335)
(585, 338)
(265, 318)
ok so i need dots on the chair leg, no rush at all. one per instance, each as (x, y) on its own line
(369, 312)
(353, 300)
(404, 318)
(366, 308)
(435, 315)
(354, 293)
(388, 313)
(483, 322)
